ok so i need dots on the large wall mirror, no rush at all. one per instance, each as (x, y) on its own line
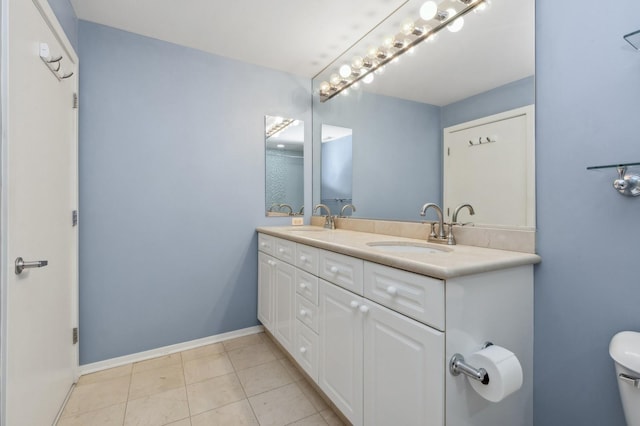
(398, 120)
(284, 166)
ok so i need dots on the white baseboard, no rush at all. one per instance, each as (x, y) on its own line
(166, 350)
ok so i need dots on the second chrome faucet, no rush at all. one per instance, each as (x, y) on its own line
(442, 237)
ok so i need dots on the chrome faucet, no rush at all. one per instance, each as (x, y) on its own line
(301, 211)
(288, 207)
(441, 237)
(454, 221)
(351, 206)
(328, 221)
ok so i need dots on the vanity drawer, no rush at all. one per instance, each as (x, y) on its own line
(307, 286)
(284, 250)
(305, 350)
(266, 243)
(307, 258)
(345, 271)
(414, 295)
(307, 313)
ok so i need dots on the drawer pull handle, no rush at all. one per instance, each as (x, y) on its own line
(391, 290)
(303, 259)
(364, 309)
(303, 350)
(303, 285)
(303, 312)
(334, 269)
(354, 304)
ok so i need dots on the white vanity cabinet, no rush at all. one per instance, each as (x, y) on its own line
(379, 367)
(377, 340)
(276, 289)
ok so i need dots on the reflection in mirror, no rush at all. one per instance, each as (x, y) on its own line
(399, 118)
(336, 168)
(284, 165)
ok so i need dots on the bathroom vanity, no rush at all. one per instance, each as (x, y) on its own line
(374, 320)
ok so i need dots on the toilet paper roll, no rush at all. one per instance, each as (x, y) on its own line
(503, 368)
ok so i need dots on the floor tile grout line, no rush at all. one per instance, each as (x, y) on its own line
(126, 403)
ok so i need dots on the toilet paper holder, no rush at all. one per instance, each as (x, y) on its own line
(457, 366)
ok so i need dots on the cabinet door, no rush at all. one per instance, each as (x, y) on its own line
(404, 370)
(266, 266)
(284, 304)
(340, 349)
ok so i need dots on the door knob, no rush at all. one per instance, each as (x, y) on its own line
(21, 265)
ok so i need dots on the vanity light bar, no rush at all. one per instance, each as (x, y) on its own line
(380, 57)
(278, 127)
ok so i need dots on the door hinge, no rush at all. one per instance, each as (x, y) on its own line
(75, 335)
(74, 218)
(75, 101)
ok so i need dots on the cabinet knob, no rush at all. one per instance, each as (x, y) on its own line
(354, 304)
(303, 350)
(280, 250)
(364, 309)
(392, 290)
(303, 258)
(271, 262)
(303, 312)
(334, 269)
(302, 286)
(263, 244)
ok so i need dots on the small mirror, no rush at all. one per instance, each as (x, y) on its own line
(336, 168)
(284, 166)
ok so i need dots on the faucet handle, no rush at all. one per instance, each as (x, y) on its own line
(433, 230)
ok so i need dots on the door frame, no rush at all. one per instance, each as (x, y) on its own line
(5, 264)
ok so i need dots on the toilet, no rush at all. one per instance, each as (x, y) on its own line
(625, 351)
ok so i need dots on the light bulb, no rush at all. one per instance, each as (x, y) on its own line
(389, 42)
(408, 27)
(345, 92)
(324, 87)
(345, 71)
(486, 4)
(368, 78)
(296, 123)
(356, 85)
(456, 25)
(280, 145)
(278, 120)
(379, 70)
(357, 62)
(428, 10)
(335, 79)
(373, 51)
(395, 60)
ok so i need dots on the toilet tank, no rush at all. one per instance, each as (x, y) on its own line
(625, 351)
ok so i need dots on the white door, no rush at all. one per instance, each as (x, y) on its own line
(284, 304)
(404, 370)
(265, 290)
(39, 193)
(340, 349)
(489, 163)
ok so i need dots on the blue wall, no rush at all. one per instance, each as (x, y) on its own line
(67, 17)
(504, 98)
(172, 186)
(402, 136)
(587, 287)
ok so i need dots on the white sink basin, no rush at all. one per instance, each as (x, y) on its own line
(406, 247)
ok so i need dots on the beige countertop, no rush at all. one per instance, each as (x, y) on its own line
(455, 261)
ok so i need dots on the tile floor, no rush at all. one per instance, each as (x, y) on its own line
(243, 381)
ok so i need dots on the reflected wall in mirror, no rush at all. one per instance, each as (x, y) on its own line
(336, 173)
(284, 166)
(399, 118)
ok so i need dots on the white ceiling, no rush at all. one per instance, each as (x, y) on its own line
(300, 37)
(304, 37)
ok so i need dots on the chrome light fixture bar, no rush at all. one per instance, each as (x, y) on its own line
(279, 126)
(363, 68)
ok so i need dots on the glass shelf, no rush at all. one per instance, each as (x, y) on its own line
(613, 166)
(628, 181)
(633, 39)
